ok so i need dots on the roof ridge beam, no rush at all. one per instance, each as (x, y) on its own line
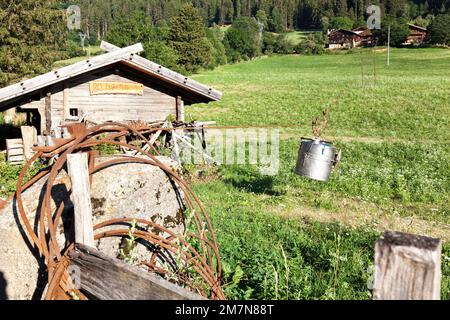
(52, 77)
(163, 72)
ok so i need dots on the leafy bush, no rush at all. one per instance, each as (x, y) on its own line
(283, 45)
(242, 40)
(342, 23)
(276, 44)
(129, 30)
(215, 37)
(276, 22)
(160, 52)
(269, 43)
(313, 45)
(439, 30)
(9, 174)
(399, 31)
(74, 49)
(137, 28)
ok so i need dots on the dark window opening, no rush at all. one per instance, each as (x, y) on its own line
(74, 112)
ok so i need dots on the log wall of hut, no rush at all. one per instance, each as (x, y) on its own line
(74, 97)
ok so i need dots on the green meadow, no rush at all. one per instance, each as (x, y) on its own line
(287, 237)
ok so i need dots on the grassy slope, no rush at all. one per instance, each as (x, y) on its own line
(394, 175)
(297, 36)
(62, 63)
(267, 226)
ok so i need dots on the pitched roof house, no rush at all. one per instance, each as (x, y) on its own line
(417, 35)
(116, 86)
(342, 38)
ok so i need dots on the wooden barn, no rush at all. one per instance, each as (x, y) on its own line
(417, 35)
(116, 86)
(344, 39)
(367, 38)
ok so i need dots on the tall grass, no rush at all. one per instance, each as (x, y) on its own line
(268, 257)
(392, 125)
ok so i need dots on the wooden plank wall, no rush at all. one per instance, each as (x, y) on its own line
(153, 105)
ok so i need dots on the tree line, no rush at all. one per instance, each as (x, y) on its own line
(189, 35)
(99, 16)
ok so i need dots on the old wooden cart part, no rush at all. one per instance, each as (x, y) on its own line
(106, 278)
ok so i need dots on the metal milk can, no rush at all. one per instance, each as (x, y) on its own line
(316, 159)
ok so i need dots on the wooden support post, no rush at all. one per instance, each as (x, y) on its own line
(105, 278)
(48, 113)
(77, 165)
(66, 108)
(29, 137)
(180, 109)
(407, 267)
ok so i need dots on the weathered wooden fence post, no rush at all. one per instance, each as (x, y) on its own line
(29, 137)
(77, 165)
(407, 267)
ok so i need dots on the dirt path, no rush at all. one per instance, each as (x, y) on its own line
(347, 139)
(369, 216)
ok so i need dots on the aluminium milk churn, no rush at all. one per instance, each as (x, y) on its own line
(316, 159)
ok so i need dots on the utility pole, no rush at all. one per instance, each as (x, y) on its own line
(389, 46)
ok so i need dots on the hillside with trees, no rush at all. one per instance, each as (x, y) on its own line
(281, 15)
(190, 35)
(32, 37)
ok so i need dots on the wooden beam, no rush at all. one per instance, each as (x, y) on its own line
(167, 74)
(66, 107)
(106, 278)
(48, 113)
(29, 137)
(68, 72)
(180, 109)
(407, 267)
(77, 165)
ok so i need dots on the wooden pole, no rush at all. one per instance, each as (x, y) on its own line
(77, 165)
(29, 137)
(66, 109)
(389, 46)
(407, 267)
(48, 113)
(180, 109)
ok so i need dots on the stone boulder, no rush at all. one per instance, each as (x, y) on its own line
(132, 190)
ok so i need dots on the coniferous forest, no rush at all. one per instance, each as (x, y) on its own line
(189, 35)
(98, 16)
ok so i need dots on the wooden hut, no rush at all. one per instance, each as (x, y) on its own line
(417, 35)
(116, 86)
(341, 38)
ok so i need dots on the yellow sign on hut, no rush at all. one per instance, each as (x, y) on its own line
(97, 88)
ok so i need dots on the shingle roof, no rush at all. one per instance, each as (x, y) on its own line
(126, 56)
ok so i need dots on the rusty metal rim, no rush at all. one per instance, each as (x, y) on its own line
(207, 262)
